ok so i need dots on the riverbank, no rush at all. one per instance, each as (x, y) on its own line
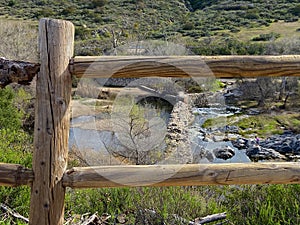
(203, 129)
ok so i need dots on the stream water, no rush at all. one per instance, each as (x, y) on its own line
(98, 140)
(203, 148)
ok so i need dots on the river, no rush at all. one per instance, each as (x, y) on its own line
(93, 142)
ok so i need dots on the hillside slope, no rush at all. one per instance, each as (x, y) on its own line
(207, 27)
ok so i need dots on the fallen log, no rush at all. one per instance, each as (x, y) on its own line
(92, 220)
(209, 218)
(12, 213)
(17, 72)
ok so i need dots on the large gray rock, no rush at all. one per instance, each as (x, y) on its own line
(284, 144)
(224, 153)
(256, 152)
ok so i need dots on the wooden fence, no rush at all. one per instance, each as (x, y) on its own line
(49, 178)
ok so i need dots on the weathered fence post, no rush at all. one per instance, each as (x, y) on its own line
(56, 38)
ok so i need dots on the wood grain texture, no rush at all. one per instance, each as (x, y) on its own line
(183, 175)
(51, 122)
(185, 66)
(14, 175)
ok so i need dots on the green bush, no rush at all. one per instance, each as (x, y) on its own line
(266, 37)
(296, 10)
(98, 3)
(15, 147)
(10, 116)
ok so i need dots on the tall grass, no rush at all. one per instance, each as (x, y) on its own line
(246, 204)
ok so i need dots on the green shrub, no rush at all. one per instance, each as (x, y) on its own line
(296, 10)
(98, 3)
(69, 10)
(15, 147)
(266, 37)
(45, 12)
(188, 26)
(10, 116)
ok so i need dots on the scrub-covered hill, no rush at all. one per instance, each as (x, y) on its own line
(207, 27)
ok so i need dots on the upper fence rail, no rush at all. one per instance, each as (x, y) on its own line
(184, 66)
(160, 66)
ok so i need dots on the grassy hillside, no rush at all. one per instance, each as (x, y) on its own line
(207, 27)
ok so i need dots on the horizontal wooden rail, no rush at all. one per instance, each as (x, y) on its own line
(183, 175)
(160, 66)
(183, 66)
(15, 175)
(163, 175)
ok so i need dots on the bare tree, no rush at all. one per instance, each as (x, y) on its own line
(266, 89)
(288, 87)
(18, 40)
(286, 46)
(260, 89)
(139, 133)
(269, 89)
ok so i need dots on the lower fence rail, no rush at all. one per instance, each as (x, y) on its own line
(163, 175)
(14, 175)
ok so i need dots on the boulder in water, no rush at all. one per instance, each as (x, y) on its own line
(256, 152)
(225, 152)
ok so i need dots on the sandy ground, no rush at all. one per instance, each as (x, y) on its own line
(88, 107)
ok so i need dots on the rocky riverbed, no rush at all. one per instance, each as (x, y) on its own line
(186, 140)
(224, 143)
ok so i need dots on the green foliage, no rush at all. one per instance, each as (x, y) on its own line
(263, 125)
(198, 4)
(296, 10)
(69, 10)
(98, 3)
(252, 14)
(266, 37)
(187, 202)
(17, 198)
(263, 204)
(246, 204)
(289, 121)
(212, 122)
(10, 116)
(15, 146)
(194, 89)
(11, 3)
(45, 12)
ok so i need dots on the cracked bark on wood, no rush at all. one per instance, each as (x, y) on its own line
(17, 72)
